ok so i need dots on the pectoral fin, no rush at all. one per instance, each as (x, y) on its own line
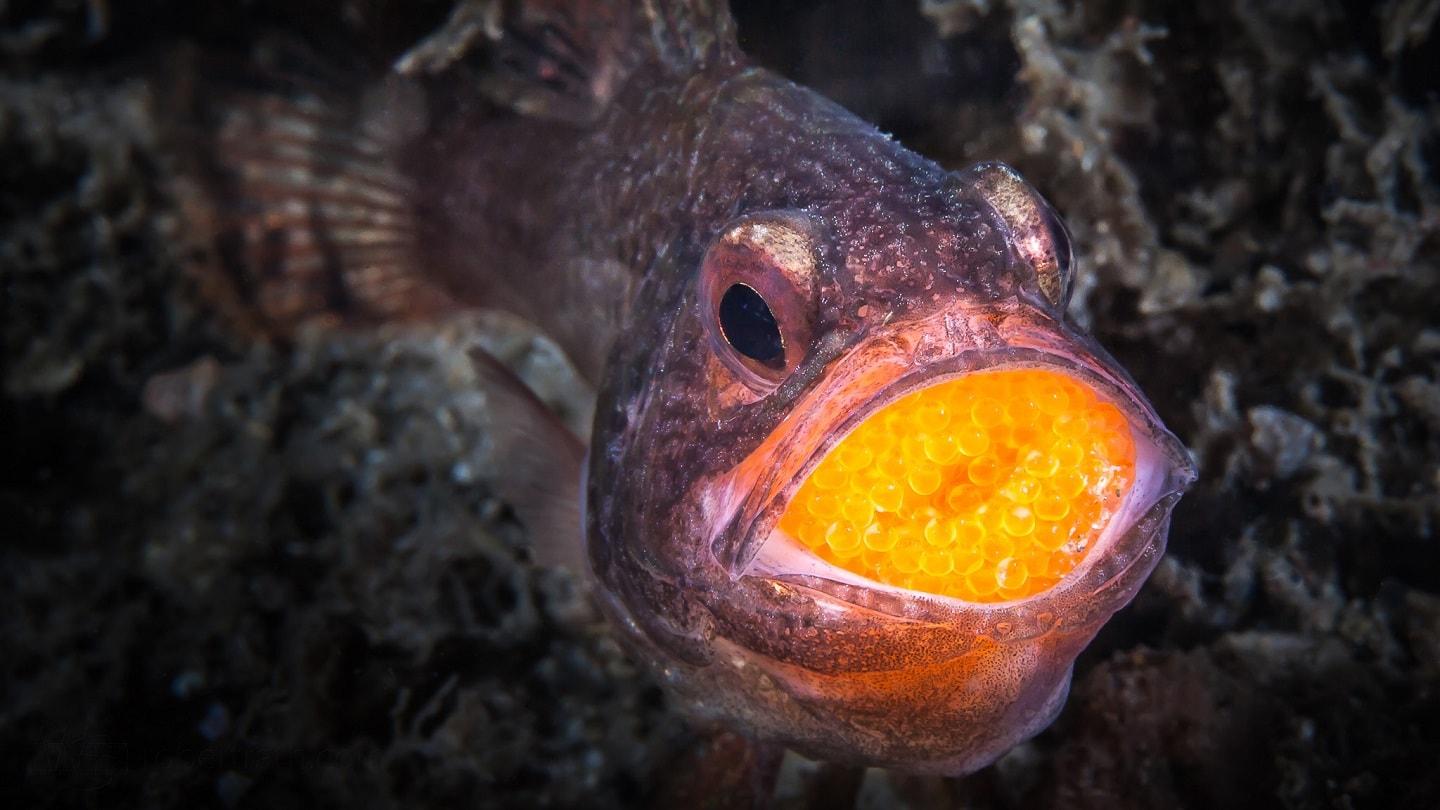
(538, 466)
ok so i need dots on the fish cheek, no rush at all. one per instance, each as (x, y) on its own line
(728, 390)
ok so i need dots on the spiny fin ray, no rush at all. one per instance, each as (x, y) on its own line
(566, 59)
(542, 462)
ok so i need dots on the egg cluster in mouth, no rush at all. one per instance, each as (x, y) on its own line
(986, 488)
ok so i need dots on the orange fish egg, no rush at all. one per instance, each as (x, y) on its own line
(999, 483)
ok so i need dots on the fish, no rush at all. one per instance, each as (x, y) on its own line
(856, 484)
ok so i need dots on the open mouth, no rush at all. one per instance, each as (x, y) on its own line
(989, 487)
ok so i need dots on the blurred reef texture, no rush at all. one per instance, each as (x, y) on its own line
(249, 576)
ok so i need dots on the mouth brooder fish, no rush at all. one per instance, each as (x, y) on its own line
(855, 485)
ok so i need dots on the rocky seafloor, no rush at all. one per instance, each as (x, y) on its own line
(249, 575)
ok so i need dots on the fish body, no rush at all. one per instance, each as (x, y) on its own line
(749, 274)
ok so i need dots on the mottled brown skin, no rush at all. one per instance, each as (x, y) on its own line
(598, 230)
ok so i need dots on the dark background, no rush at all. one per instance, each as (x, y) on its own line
(249, 576)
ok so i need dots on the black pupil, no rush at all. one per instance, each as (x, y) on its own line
(749, 326)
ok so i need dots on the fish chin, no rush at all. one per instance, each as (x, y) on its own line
(945, 690)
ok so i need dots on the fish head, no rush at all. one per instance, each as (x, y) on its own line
(858, 486)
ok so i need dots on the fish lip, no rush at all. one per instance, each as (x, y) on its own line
(1084, 599)
(1172, 471)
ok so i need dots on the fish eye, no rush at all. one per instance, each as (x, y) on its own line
(758, 287)
(749, 326)
(1035, 230)
(1060, 247)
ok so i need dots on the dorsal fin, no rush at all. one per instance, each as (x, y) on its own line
(690, 33)
(566, 59)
